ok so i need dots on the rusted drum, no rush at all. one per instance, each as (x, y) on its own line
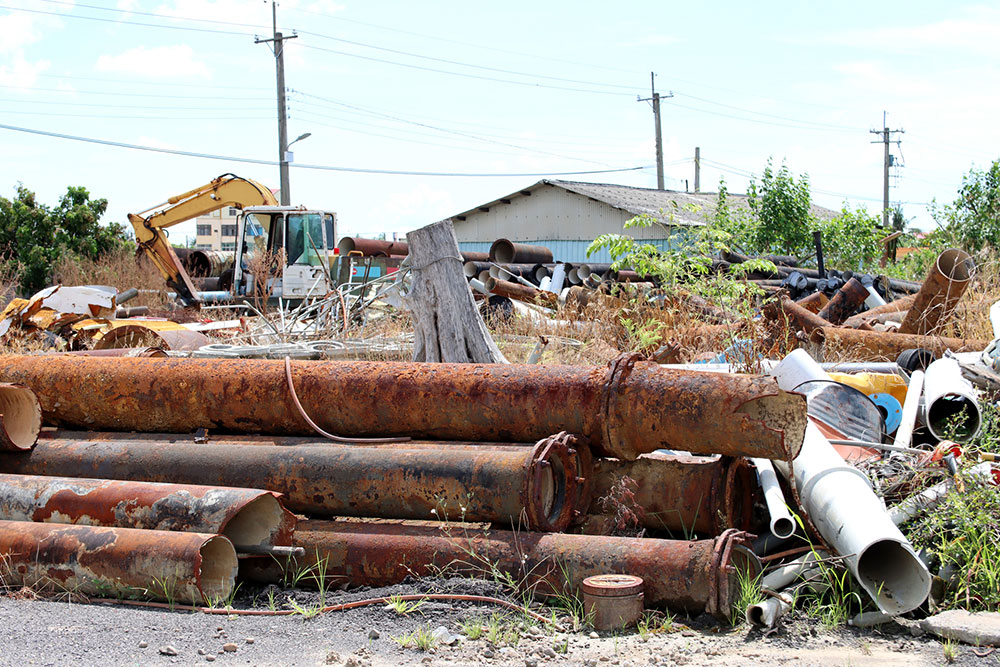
(612, 601)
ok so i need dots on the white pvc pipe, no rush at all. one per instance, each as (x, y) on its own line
(874, 299)
(479, 286)
(767, 612)
(782, 525)
(782, 577)
(558, 277)
(947, 395)
(839, 501)
(933, 495)
(904, 434)
(545, 284)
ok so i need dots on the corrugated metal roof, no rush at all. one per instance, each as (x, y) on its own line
(661, 204)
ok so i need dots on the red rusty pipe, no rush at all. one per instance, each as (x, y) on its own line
(96, 560)
(847, 299)
(684, 494)
(248, 517)
(20, 418)
(694, 577)
(800, 317)
(858, 345)
(815, 302)
(372, 247)
(939, 295)
(534, 486)
(504, 251)
(899, 305)
(625, 409)
(521, 292)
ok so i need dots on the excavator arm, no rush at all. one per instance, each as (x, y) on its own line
(226, 190)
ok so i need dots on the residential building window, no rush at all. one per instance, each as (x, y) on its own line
(229, 246)
(229, 230)
(203, 246)
(206, 230)
(233, 212)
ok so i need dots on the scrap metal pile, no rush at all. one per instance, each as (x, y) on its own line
(173, 478)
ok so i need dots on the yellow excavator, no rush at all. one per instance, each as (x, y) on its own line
(305, 238)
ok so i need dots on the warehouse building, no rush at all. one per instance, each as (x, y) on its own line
(566, 216)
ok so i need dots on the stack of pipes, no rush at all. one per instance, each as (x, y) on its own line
(418, 442)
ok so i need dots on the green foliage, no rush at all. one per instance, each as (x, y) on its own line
(35, 236)
(851, 240)
(782, 211)
(973, 219)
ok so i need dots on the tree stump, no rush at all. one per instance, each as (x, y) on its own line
(447, 324)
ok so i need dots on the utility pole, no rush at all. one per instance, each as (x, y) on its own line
(655, 99)
(885, 136)
(279, 57)
(697, 168)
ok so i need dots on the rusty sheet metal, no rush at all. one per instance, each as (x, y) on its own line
(20, 418)
(142, 335)
(802, 319)
(503, 251)
(681, 493)
(625, 409)
(847, 300)
(896, 306)
(939, 295)
(694, 577)
(248, 517)
(535, 486)
(858, 345)
(110, 562)
(814, 302)
(521, 292)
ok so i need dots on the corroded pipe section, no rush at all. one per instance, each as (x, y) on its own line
(815, 302)
(899, 305)
(117, 562)
(800, 318)
(371, 247)
(687, 494)
(939, 295)
(695, 577)
(521, 292)
(538, 486)
(504, 251)
(628, 408)
(247, 517)
(858, 345)
(208, 263)
(847, 300)
(20, 418)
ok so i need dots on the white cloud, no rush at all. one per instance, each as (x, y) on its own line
(19, 31)
(20, 72)
(420, 203)
(975, 30)
(156, 62)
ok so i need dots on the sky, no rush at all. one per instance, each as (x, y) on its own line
(496, 96)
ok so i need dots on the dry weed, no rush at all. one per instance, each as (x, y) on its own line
(120, 269)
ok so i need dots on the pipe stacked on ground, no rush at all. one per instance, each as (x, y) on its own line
(20, 418)
(697, 577)
(939, 295)
(504, 251)
(539, 487)
(625, 409)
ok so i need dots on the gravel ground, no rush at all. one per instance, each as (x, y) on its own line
(45, 632)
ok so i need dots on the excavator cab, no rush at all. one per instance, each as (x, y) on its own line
(284, 251)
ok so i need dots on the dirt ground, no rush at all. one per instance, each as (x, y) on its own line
(47, 632)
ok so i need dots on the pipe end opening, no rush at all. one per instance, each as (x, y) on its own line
(893, 575)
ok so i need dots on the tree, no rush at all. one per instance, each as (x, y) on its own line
(852, 239)
(782, 209)
(973, 219)
(34, 236)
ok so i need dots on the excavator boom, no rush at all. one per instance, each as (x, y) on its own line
(226, 190)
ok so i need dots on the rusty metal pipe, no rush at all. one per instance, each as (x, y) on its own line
(20, 418)
(847, 300)
(694, 577)
(521, 292)
(628, 408)
(939, 295)
(899, 305)
(815, 302)
(371, 247)
(688, 494)
(108, 562)
(858, 345)
(208, 263)
(248, 517)
(800, 317)
(536, 486)
(504, 251)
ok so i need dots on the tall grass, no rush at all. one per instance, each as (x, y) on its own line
(120, 269)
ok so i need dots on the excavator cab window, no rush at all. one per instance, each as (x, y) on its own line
(305, 239)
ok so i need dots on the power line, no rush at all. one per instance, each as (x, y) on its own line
(758, 120)
(124, 22)
(761, 113)
(135, 82)
(396, 172)
(116, 117)
(63, 91)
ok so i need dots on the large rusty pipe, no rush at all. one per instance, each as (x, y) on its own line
(625, 409)
(20, 418)
(695, 577)
(504, 251)
(208, 263)
(899, 305)
(535, 486)
(858, 345)
(847, 300)
(110, 562)
(371, 247)
(521, 292)
(686, 494)
(939, 295)
(248, 517)
(800, 318)
(815, 302)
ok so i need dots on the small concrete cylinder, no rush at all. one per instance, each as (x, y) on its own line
(613, 601)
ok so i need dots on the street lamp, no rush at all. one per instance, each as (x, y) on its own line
(286, 157)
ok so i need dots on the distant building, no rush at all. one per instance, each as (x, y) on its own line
(566, 216)
(217, 230)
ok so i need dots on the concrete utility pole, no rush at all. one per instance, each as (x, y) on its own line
(655, 99)
(697, 168)
(279, 57)
(885, 133)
